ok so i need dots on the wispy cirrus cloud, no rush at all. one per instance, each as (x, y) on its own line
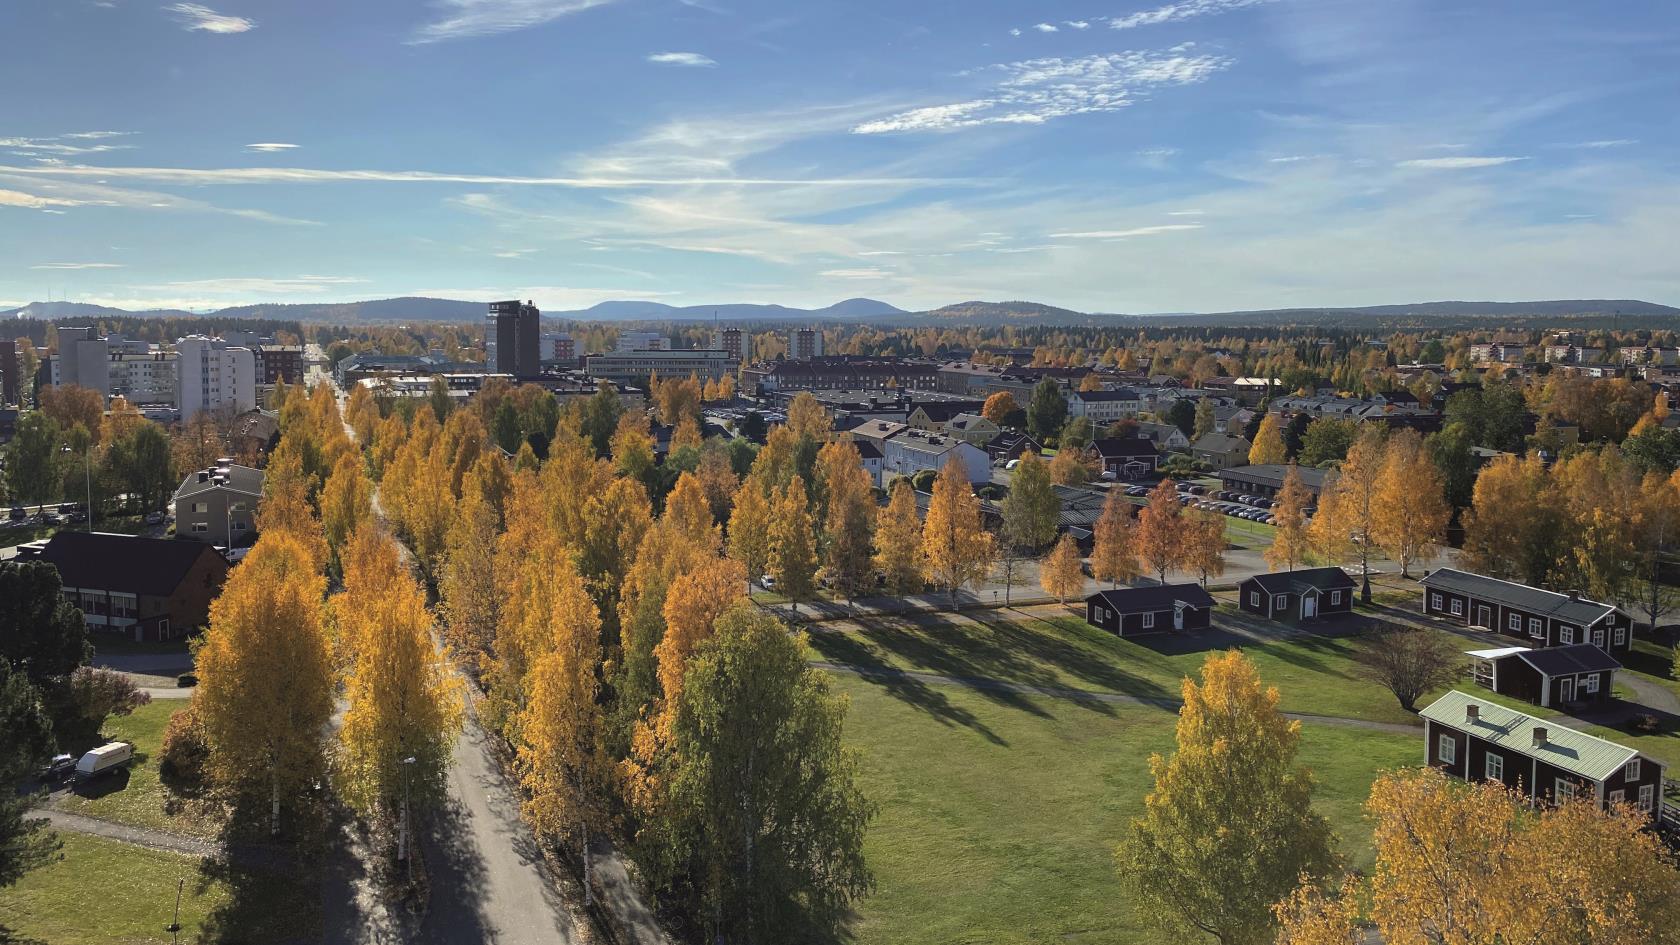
(270, 147)
(258, 285)
(1035, 91)
(1604, 143)
(60, 144)
(28, 201)
(1045, 27)
(1185, 10)
(1127, 234)
(1460, 163)
(77, 265)
(464, 19)
(304, 175)
(691, 59)
(865, 272)
(200, 18)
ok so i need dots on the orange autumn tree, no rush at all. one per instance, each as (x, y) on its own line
(1411, 504)
(957, 550)
(1062, 573)
(793, 551)
(1461, 862)
(1112, 556)
(561, 761)
(265, 674)
(1290, 542)
(1158, 536)
(898, 541)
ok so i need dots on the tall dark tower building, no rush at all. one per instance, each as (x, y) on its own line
(9, 368)
(513, 334)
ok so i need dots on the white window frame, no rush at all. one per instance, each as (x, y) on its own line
(1563, 789)
(1620, 636)
(1536, 628)
(1494, 767)
(1632, 771)
(1589, 684)
(1254, 598)
(1566, 635)
(1434, 601)
(1446, 749)
(1618, 797)
(1335, 598)
(201, 526)
(1515, 622)
(1457, 607)
(1149, 620)
(201, 508)
(1647, 797)
(1598, 638)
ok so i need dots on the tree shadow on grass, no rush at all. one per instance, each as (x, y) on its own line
(9, 937)
(274, 886)
(842, 649)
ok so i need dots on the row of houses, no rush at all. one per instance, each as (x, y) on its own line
(1465, 735)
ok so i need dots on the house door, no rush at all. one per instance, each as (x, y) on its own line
(1566, 690)
(1309, 605)
(1484, 618)
(1178, 618)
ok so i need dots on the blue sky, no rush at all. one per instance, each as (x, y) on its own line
(1098, 154)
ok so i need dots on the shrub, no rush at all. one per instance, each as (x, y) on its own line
(184, 753)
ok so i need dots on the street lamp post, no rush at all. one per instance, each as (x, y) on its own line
(403, 839)
(174, 927)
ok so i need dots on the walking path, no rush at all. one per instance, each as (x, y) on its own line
(138, 836)
(1080, 695)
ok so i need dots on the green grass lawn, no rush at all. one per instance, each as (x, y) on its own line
(1316, 675)
(999, 814)
(140, 800)
(103, 892)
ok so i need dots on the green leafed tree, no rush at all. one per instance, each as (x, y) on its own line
(1047, 410)
(768, 819)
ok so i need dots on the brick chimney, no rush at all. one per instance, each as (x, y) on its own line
(1472, 712)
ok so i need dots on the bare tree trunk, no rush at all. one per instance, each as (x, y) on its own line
(274, 805)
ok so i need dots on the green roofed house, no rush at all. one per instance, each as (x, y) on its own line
(1472, 738)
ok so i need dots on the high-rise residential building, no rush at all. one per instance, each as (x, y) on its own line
(215, 376)
(732, 340)
(642, 341)
(82, 360)
(10, 366)
(277, 362)
(512, 338)
(805, 344)
(559, 346)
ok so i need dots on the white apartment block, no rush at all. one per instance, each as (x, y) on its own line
(215, 376)
(642, 341)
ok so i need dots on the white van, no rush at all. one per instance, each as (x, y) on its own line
(107, 757)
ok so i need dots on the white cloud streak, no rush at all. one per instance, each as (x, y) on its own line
(17, 198)
(1188, 9)
(1045, 27)
(198, 17)
(78, 266)
(690, 59)
(464, 19)
(303, 175)
(1127, 234)
(1459, 163)
(270, 147)
(1077, 24)
(1035, 91)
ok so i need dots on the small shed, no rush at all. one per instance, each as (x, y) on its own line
(1298, 595)
(1552, 677)
(1129, 611)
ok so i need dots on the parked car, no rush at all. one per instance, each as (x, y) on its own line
(1109, 475)
(767, 582)
(155, 518)
(19, 513)
(1012, 464)
(78, 516)
(111, 756)
(59, 768)
(67, 508)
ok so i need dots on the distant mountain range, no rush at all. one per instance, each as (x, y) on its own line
(969, 313)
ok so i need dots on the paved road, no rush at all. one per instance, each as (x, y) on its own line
(489, 882)
(1082, 695)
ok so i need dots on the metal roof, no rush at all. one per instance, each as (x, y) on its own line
(1576, 610)
(1156, 597)
(1302, 579)
(1576, 752)
(1498, 653)
(1569, 659)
